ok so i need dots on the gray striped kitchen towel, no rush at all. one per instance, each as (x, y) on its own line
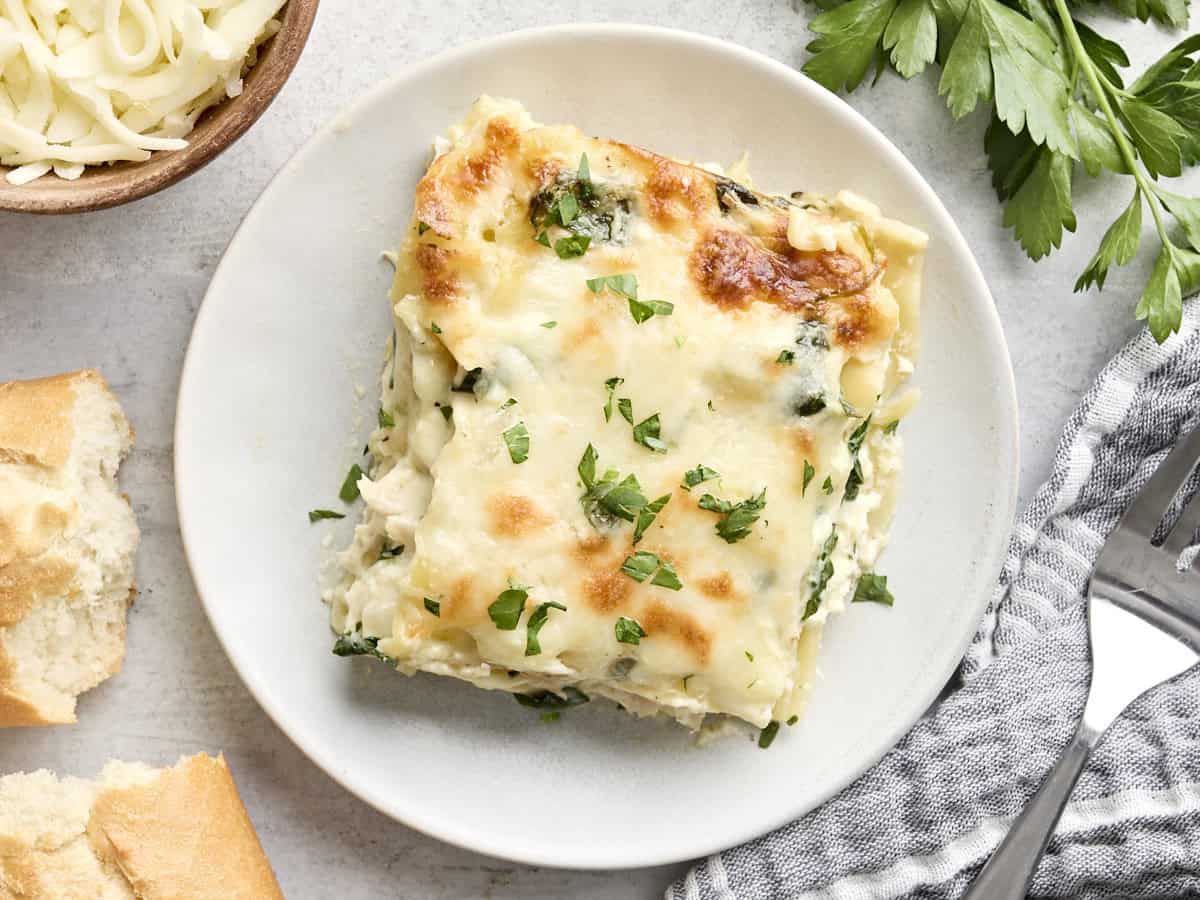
(923, 821)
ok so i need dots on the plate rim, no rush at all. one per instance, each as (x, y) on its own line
(990, 560)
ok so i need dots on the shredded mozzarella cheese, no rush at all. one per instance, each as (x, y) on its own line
(84, 82)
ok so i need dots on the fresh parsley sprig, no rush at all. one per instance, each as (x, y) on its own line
(1057, 98)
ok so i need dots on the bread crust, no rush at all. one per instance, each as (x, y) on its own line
(186, 834)
(181, 833)
(36, 436)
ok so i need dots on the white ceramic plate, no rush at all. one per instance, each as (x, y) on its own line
(269, 420)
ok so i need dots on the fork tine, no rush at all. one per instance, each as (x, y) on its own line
(1180, 536)
(1152, 500)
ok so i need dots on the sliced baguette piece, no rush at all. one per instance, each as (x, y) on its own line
(135, 832)
(67, 544)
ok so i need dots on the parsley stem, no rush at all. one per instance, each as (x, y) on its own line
(1089, 70)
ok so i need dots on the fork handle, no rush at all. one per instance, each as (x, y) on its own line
(1010, 870)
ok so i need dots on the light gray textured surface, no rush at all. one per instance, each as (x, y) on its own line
(119, 289)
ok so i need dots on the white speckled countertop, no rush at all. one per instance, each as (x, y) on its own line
(119, 289)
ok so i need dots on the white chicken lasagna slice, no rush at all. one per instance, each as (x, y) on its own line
(638, 431)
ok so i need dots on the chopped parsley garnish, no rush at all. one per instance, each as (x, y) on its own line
(822, 572)
(611, 385)
(698, 475)
(391, 552)
(641, 310)
(572, 246)
(422, 228)
(585, 173)
(646, 433)
(646, 514)
(685, 680)
(447, 412)
(564, 210)
(809, 472)
(642, 565)
(625, 405)
(890, 427)
(570, 696)
(628, 631)
(793, 720)
(433, 606)
(385, 419)
(607, 499)
(349, 491)
(872, 588)
(680, 340)
(535, 623)
(736, 518)
(506, 610)
(626, 285)
(809, 405)
(316, 515)
(749, 655)
(510, 402)
(767, 735)
(435, 328)
(543, 238)
(550, 324)
(356, 644)
(855, 479)
(827, 484)
(785, 357)
(517, 440)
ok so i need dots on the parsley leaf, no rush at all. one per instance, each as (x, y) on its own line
(785, 358)
(1118, 246)
(517, 440)
(736, 518)
(391, 552)
(572, 246)
(543, 238)
(506, 610)
(809, 472)
(767, 735)
(550, 324)
(435, 328)
(872, 588)
(808, 405)
(855, 479)
(890, 427)
(316, 515)
(422, 228)
(641, 310)
(647, 515)
(911, 36)
(845, 48)
(698, 475)
(1157, 136)
(434, 607)
(1161, 303)
(611, 385)
(1000, 53)
(642, 565)
(822, 572)
(605, 500)
(628, 631)
(646, 433)
(1041, 207)
(385, 419)
(625, 406)
(626, 285)
(827, 484)
(349, 491)
(532, 646)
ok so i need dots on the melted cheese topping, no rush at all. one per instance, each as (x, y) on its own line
(792, 322)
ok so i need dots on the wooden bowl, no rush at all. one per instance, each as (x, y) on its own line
(103, 186)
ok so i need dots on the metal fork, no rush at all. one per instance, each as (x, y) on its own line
(1144, 618)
